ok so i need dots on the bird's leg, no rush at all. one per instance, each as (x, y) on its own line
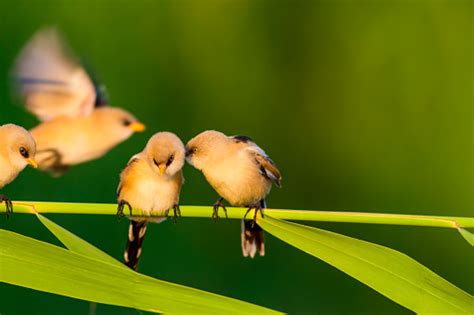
(215, 208)
(176, 213)
(120, 207)
(257, 207)
(8, 205)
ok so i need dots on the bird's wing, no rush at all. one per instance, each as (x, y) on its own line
(132, 160)
(266, 165)
(50, 80)
(268, 168)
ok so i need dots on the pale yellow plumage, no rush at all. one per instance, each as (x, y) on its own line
(17, 150)
(240, 172)
(151, 182)
(12, 162)
(77, 126)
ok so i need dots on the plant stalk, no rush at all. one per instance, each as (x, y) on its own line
(238, 213)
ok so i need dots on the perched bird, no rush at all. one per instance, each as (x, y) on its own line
(76, 125)
(151, 182)
(16, 152)
(241, 173)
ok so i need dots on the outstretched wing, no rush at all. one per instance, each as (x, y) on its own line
(266, 165)
(50, 81)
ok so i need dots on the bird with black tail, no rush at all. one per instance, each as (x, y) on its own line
(151, 182)
(241, 173)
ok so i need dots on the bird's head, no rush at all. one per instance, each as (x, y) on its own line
(19, 146)
(165, 153)
(203, 148)
(118, 122)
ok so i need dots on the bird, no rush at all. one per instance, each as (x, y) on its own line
(76, 122)
(151, 182)
(17, 151)
(241, 173)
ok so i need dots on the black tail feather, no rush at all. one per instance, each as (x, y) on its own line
(136, 234)
(252, 237)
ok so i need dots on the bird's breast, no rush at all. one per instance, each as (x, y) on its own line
(151, 193)
(239, 182)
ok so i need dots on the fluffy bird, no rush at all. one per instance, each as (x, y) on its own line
(76, 125)
(17, 151)
(151, 182)
(241, 173)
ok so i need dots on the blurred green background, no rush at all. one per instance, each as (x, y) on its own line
(363, 105)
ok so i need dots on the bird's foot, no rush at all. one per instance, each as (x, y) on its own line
(121, 206)
(258, 208)
(176, 213)
(8, 205)
(215, 208)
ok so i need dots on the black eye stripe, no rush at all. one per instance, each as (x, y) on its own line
(154, 161)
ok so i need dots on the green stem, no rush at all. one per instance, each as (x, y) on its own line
(238, 213)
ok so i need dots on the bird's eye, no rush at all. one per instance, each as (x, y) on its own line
(170, 160)
(194, 150)
(24, 153)
(126, 122)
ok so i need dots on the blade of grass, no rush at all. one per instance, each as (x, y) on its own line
(389, 272)
(76, 244)
(468, 236)
(45, 267)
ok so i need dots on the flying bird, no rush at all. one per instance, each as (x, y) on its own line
(76, 122)
(241, 173)
(16, 152)
(151, 182)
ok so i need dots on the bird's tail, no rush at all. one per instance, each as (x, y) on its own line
(136, 233)
(252, 237)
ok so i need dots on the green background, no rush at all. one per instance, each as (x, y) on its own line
(363, 105)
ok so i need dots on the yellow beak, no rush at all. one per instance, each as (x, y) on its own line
(32, 163)
(162, 168)
(137, 127)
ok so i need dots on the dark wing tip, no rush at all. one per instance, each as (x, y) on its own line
(278, 182)
(243, 139)
(102, 96)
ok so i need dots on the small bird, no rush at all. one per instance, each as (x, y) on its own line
(151, 182)
(241, 173)
(17, 151)
(76, 125)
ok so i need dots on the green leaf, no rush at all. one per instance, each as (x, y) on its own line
(468, 236)
(45, 267)
(391, 273)
(76, 244)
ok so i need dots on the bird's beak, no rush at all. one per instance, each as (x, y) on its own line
(137, 127)
(188, 152)
(32, 163)
(162, 168)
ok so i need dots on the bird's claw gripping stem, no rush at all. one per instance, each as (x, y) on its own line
(8, 205)
(215, 208)
(121, 205)
(257, 208)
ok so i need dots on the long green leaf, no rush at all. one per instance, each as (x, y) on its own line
(468, 236)
(76, 244)
(45, 267)
(393, 274)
